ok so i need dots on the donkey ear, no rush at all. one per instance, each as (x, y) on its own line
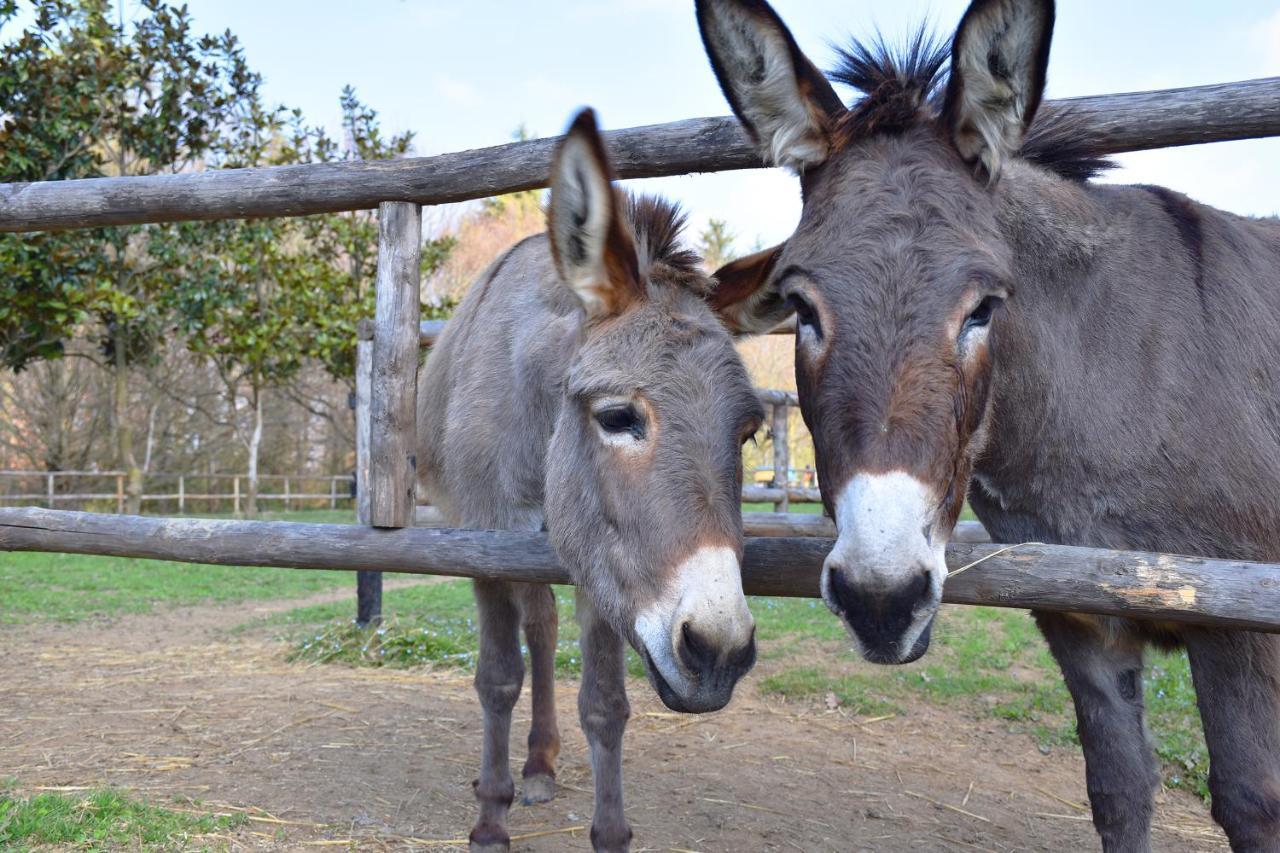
(743, 298)
(998, 62)
(594, 251)
(784, 102)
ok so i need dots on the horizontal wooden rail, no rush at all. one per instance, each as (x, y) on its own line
(1221, 593)
(429, 331)
(812, 524)
(772, 494)
(1126, 122)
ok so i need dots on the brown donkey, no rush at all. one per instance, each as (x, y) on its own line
(585, 386)
(1091, 365)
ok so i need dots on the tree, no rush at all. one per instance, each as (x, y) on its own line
(84, 97)
(347, 243)
(715, 244)
(49, 119)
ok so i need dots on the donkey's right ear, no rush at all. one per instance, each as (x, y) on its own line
(783, 100)
(591, 243)
(744, 297)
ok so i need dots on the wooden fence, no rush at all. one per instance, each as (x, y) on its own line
(1148, 586)
(195, 492)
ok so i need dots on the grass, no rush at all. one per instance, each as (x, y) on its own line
(431, 625)
(99, 820)
(70, 588)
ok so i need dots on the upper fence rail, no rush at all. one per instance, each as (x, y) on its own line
(1134, 121)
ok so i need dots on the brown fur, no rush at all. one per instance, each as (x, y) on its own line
(1124, 396)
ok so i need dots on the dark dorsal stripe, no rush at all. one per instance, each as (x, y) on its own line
(1186, 218)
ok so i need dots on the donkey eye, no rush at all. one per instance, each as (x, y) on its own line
(981, 316)
(618, 420)
(805, 315)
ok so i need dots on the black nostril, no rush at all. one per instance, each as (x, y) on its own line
(843, 592)
(880, 616)
(698, 654)
(743, 658)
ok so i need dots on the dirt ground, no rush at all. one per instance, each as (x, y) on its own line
(177, 705)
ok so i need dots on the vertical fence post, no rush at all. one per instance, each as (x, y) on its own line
(182, 494)
(49, 488)
(368, 584)
(235, 495)
(393, 401)
(287, 500)
(781, 456)
(119, 494)
(333, 493)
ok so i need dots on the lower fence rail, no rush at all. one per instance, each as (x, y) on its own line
(1163, 587)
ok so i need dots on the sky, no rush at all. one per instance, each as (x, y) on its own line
(467, 74)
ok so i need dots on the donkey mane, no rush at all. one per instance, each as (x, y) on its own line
(658, 225)
(902, 87)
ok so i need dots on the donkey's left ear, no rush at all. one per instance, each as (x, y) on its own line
(998, 63)
(591, 242)
(744, 298)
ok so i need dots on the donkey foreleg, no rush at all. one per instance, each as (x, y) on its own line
(499, 674)
(603, 711)
(1237, 678)
(1103, 671)
(538, 605)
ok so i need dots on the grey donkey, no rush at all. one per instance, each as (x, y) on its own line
(586, 387)
(1091, 365)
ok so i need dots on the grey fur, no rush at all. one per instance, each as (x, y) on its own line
(1127, 397)
(508, 441)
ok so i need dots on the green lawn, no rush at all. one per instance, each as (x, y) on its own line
(69, 588)
(100, 820)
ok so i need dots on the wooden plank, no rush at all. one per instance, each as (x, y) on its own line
(812, 524)
(368, 584)
(1193, 590)
(1125, 122)
(429, 331)
(394, 385)
(781, 455)
(768, 494)
(773, 397)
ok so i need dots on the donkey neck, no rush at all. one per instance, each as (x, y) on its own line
(1133, 400)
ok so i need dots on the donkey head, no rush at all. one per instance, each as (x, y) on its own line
(897, 275)
(644, 469)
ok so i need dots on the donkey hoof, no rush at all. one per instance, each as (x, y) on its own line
(489, 847)
(489, 839)
(538, 789)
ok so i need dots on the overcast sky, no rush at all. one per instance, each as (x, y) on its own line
(466, 74)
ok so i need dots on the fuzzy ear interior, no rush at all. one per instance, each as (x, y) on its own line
(998, 63)
(592, 244)
(743, 297)
(785, 103)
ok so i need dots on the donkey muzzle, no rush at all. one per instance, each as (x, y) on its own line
(884, 576)
(699, 640)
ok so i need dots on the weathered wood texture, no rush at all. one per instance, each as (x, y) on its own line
(781, 454)
(1125, 122)
(768, 494)
(368, 584)
(1047, 577)
(431, 330)
(394, 388)
(812, 524)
